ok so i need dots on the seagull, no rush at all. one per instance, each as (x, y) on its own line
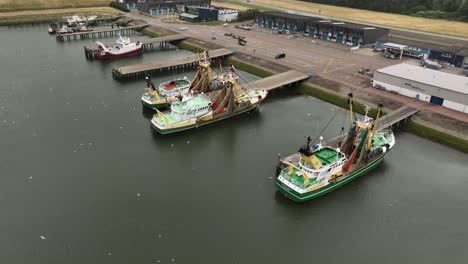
(42, 237)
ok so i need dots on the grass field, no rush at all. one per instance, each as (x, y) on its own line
(392, 20)
(7, 18)
(233, 4)
(17, 5)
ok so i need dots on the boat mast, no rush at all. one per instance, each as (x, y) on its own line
(374, 126)
(151, 89)
(350, 102)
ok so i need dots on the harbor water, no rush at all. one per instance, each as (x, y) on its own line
(85, 179)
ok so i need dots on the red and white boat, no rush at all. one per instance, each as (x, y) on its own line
(124, 48)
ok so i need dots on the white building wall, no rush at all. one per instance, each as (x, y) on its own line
(228, 17)
(455, 106)
(403, 91)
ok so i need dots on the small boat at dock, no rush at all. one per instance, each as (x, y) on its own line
(205, 80)
(166, 93)
(123, 48)
(324, 167)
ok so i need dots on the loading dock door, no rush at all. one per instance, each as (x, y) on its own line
(355, 41)
(339, 38)
(260, 22)
(325, 35)
(312, 33)
(280, 26)
(270, 24)
(292, 28)
(436, 100)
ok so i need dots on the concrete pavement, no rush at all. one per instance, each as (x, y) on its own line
(328, 60)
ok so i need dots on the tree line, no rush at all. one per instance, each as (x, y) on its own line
(442, 9)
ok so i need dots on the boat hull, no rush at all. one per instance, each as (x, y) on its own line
(108, 55)
(303, 197)
(202, 123)
(153, 105)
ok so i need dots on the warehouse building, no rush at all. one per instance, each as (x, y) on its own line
(336, 31)
(198, 13)
(449, 54)
(435, 87)
(156, 7)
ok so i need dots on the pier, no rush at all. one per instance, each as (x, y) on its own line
(288, 78)
(396, 117)
(100, 33)
(144, 69)
(148, 44)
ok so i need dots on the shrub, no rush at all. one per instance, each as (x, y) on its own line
(248, 14)
(119, 6)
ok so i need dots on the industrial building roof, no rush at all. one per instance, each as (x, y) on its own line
(188, 15)
(423, 75)
(315, 19)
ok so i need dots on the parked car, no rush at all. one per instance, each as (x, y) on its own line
(229, 34)
(281, 55)
(225, 24)
(183, 28)
(242, 42)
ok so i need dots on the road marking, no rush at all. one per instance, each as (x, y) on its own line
(340, 68)
(328, 65)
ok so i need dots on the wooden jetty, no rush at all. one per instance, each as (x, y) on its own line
(100, 33)
(148, 44)
(144, 69)
(387, 121)
(279, 80)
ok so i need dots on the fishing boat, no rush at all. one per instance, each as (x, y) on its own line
(196, 110)
(64, 30)
(84, 28)
(53, 28)
(166, 93)
(205, 80)
(123, 48)
(78, 19)
(321, 168)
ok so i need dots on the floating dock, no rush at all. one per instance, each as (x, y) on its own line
(278, 80)
(148, 44)
(144, 69)
(100, 33)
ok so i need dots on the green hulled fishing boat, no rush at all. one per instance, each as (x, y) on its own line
(319, 169)
(205, 80)
(195, 110)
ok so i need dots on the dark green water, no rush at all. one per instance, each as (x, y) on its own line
(206, 196)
